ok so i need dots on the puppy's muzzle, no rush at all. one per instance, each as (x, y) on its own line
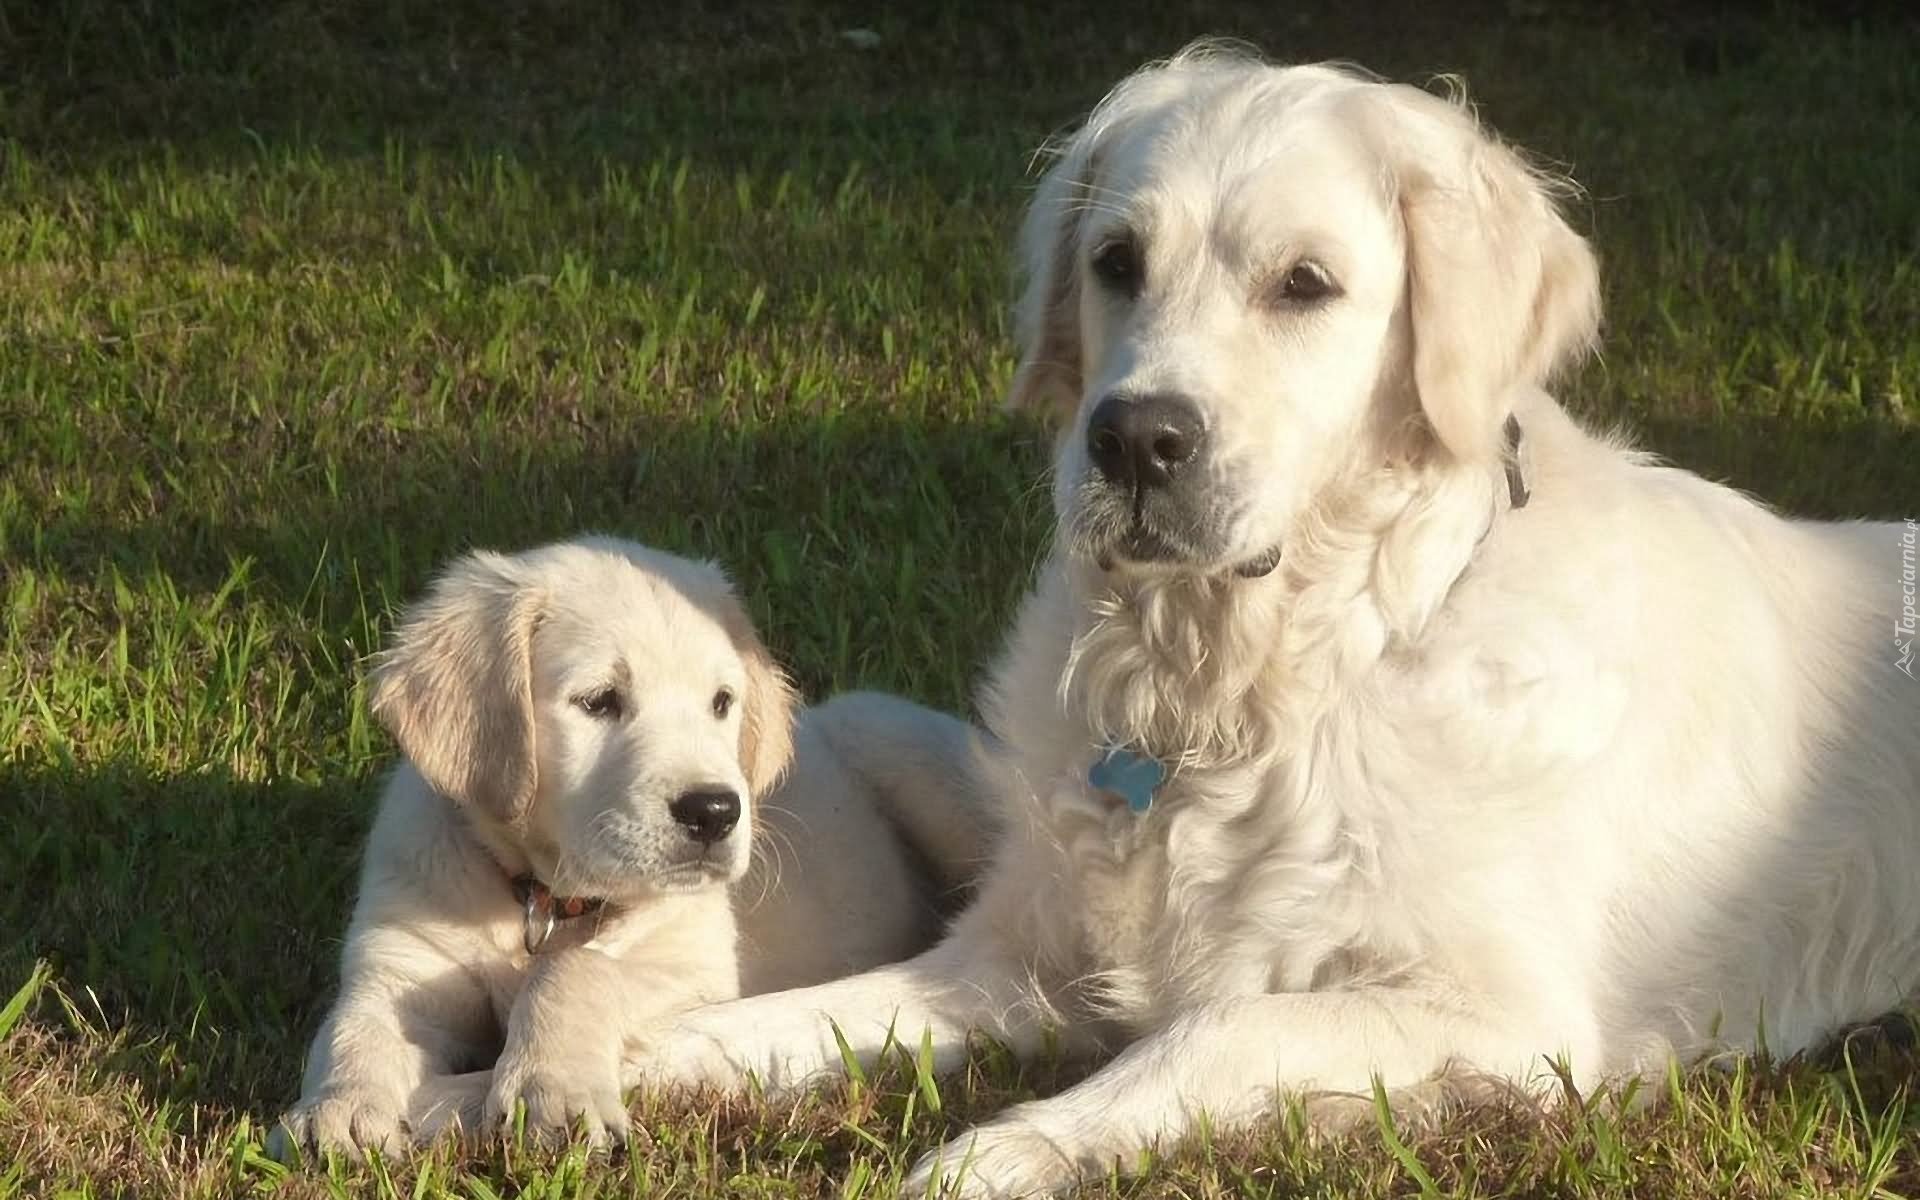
(707, 815)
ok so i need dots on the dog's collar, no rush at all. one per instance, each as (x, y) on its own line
(550, 922)
(1128, 774)
(1517, 491)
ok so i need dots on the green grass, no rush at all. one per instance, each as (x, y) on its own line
(296, 300)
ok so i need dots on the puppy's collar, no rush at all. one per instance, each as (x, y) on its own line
(1133, 777)
(550, 922)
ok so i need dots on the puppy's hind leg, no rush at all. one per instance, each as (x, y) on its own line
(926, 772)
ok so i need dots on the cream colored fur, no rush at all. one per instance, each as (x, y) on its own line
(844, 865)
(1459, 789)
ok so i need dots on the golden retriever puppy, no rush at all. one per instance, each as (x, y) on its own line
(590, 832)
(1372, 720)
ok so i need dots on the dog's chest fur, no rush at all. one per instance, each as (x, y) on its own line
(1227, 885)
(1192, 902)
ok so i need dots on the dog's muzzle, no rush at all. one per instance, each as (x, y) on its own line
(1145, 444)
(1148, 454)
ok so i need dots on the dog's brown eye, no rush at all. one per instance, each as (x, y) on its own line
(1307, 283)
(603, 704)
(722, 703)
(1117, 265)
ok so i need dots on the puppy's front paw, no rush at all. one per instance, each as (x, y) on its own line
(449, 1106)
(1005, 1159)
(685, 1057)
(557, 1095)
(349, 1122)
(783, 1053)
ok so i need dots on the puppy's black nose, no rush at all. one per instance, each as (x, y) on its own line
(1143, 441)
(709, 815)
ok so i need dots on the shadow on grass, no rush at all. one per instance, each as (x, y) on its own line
(746, 82)
(198, 913)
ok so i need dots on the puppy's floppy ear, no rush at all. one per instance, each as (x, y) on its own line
(455, 689)
(1502, 293)
(766, 721)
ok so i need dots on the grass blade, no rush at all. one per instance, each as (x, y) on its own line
(21, 1000)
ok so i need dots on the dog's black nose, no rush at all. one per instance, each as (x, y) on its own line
(1142, 441)
(707, 815)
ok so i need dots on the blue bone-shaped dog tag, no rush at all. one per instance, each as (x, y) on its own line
(1132, 777)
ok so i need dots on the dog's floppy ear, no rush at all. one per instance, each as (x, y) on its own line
(766, 720)
(1051, 374)
(1046, 319)
(1501, 292)
(455, 688)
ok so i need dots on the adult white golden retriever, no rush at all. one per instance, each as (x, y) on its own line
(593, 733)
(1371, 719)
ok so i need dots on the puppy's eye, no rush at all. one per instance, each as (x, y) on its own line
(1307, 283)
(1116, 264)
(601, 704)
(722, 703)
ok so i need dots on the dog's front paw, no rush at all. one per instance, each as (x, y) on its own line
(349, 1122)
(1005, 1159)
(558, 1096)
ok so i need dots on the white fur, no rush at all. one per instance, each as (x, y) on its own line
(506, 773)
(1624, 774)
